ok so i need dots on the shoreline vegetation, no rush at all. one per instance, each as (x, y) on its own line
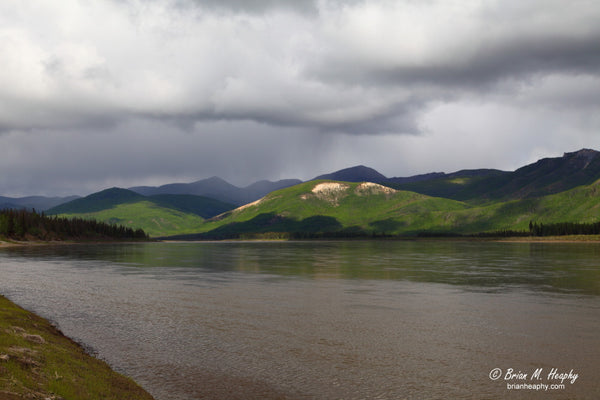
(555, 232)
(592, 238)
(7, 243)
(38, 362)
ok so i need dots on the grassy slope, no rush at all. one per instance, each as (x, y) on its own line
(298, 206)
(37, 361)
(298, 209)
(157, 215)
(581, 204)
(155, 220)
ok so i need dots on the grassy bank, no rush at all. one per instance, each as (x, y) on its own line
(38, 362)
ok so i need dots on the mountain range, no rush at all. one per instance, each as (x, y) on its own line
(464, 201)
(219, 189)
(40, 203)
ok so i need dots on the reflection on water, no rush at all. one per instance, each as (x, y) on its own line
(372, 319)
(558, 267)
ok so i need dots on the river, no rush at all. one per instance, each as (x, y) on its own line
(326, 319)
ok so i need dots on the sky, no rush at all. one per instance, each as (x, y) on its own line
(103, 93)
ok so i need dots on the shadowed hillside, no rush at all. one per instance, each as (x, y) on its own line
(156, 215)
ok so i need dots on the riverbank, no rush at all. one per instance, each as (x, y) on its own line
(38, 362)
(522, 239)
(15, 243)
(20, 243)
(554, 239)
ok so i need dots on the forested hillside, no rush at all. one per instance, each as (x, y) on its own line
(29, 225)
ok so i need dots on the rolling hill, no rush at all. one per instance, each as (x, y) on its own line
(158, 215)
(343, 209)
(332, 206)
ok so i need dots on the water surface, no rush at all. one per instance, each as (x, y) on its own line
(327, 320)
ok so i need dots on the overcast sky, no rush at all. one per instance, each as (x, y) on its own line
(104, 93)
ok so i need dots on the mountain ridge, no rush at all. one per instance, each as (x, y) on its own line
(544, 177)
(171, 213)
(218, 189)
(39, 203)
(483, 184)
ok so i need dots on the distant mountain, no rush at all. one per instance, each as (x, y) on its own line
(549, 176)
(544, 177)
(40, 203)
(99, 201)
(261, 188)
(205, 207)
(218, 189)
(214, 187)
(359, 173)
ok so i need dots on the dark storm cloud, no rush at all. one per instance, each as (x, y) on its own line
(167, 90)
(494, 52)
(518, 59)
(351, 66)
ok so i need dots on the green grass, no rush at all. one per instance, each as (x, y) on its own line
(155, 220)
(37, 361)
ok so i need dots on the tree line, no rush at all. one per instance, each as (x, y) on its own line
(564, 228)
(29, 225)
(535, 229)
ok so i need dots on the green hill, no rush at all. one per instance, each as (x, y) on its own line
(158, 215)
(347, 209)
(152, 218)
(330, 206)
